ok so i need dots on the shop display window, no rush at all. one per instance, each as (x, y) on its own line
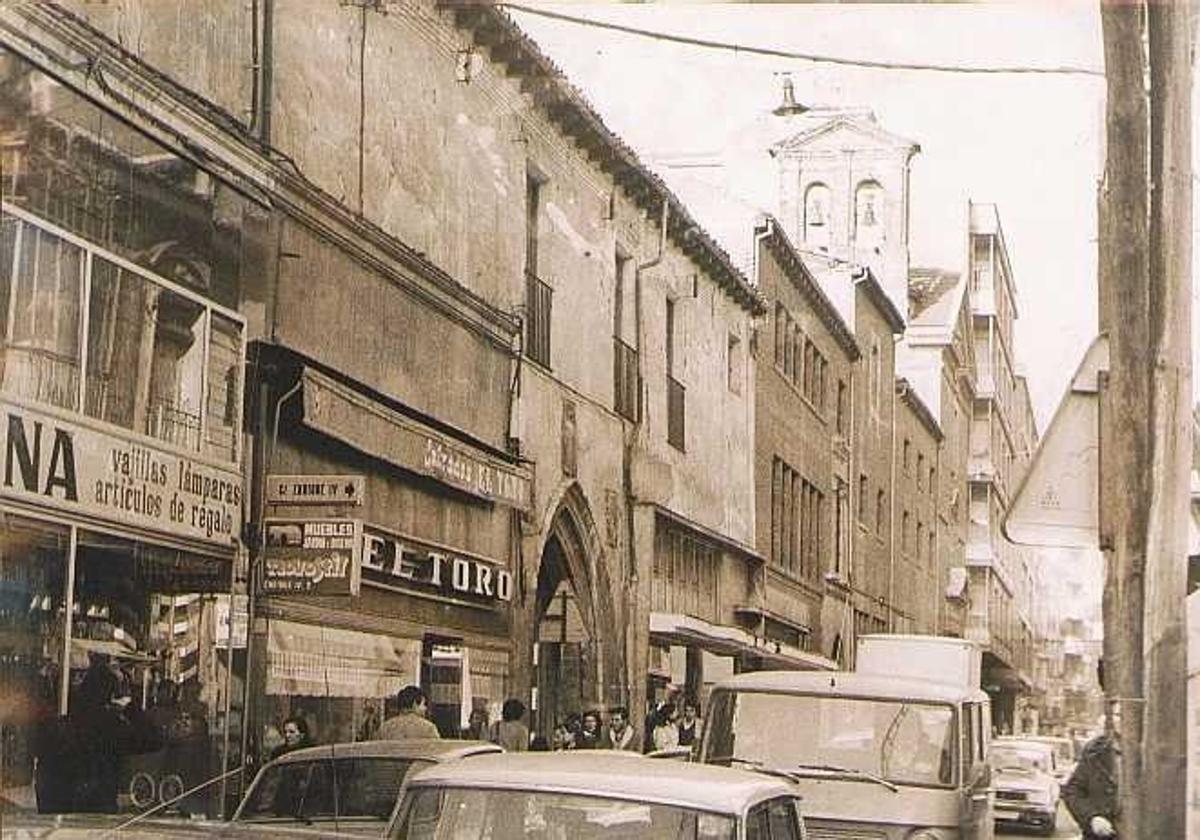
(152, 614)
(33, 570)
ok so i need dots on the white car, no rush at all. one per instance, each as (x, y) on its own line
(595, 795)
(1023, 777)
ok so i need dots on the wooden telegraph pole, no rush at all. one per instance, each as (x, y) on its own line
(1145, 417)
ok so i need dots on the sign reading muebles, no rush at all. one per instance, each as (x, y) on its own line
(79, 469)
(311, 556)
(394, 561)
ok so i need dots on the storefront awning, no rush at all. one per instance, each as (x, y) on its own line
(314, 661)
(674, 628)
(343, 413)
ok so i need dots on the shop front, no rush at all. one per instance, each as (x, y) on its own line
(121, 273)
(398, 570)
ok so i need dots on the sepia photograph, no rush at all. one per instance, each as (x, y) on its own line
(645, 420)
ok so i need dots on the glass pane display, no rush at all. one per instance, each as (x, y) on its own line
(33, 564)
(149, 615)
(145, 356)
(43, 293)
(224, 388)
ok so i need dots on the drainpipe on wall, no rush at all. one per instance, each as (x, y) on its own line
(855, 516)
(631, 435)
(897, 393)
(768, 230)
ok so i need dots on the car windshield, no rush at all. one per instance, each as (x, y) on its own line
(1013, 757)
(436, 813)
(904, 743)
(304, 791)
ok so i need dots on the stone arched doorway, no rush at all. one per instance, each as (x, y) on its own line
(577, 641)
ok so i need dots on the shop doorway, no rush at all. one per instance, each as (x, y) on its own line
(442, 680)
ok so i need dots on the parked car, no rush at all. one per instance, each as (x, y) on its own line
(1026, 790)
(595, 796)
(1064, 752)
(353, 785)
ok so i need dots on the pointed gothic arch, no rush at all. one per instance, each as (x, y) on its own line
(575, 612)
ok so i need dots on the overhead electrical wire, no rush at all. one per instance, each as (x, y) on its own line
(778, 53)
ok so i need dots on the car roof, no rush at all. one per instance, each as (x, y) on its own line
(1024, 743)
(841, 683)
(1040, 739)
(615, 774)
(427, 749)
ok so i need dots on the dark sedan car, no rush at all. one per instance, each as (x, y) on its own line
(353, 786)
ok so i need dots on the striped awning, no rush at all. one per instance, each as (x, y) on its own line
(315, 661)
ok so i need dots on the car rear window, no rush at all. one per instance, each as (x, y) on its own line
(328, 788)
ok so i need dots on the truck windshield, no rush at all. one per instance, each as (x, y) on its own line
(866, 739)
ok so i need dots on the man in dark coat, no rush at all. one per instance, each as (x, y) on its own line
(80, 755)
(1091, 792)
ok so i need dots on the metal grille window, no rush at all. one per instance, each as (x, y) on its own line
(539, 303)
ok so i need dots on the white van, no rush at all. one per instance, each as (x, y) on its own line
(875, 756)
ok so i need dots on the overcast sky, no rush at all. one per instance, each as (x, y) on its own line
(1029, 143)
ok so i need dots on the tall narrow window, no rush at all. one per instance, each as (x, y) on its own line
(676, 431)
(841, 524)
(734, 362)
(862, 498)
(841, 407)
(538, 294)
(533, 207)
(627, 384)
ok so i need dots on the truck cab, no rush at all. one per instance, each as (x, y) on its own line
(899, 755)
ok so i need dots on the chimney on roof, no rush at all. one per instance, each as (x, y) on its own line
(789, 105)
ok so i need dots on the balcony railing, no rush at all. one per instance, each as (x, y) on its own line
(539, 301)
(675, 413)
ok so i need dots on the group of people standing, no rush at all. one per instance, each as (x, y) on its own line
(667, 727)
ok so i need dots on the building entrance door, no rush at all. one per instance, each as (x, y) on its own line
(564, 654)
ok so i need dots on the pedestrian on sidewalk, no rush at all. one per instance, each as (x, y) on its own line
(1091, 792)
(591, 735)
(689, 723)
(621, 735)
(664, 735)
(411, 721)
(510, 732)
(296, 736)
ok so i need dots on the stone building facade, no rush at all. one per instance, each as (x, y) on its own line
(491, 359)
(804, 393)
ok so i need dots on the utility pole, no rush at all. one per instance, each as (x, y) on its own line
(1145, 419)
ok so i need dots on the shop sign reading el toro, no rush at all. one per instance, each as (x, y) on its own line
(81, 470)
